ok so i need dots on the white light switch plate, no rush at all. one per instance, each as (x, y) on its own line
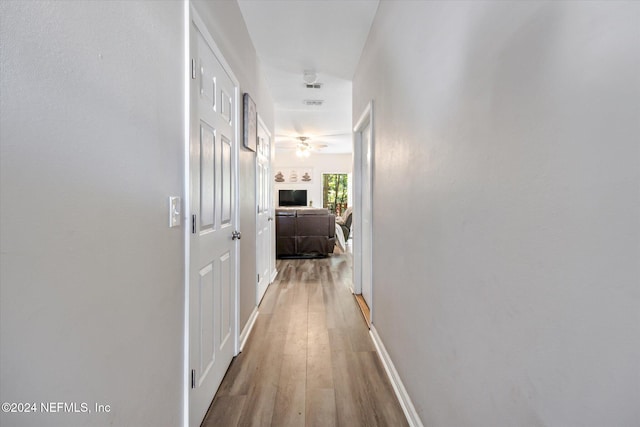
(174, 211)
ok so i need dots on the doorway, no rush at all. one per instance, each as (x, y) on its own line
(264, 220)
(363, 211)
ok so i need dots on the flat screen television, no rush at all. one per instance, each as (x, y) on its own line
(292, 197)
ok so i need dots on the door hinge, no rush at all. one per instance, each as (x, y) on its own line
(193, 378)
(193, 224)
(193, 69)
(258, 278)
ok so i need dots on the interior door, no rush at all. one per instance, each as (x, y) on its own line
(265, 218)
(212, 258)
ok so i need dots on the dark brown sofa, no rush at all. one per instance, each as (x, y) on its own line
(304, 232)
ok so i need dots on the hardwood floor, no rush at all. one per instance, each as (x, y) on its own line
(309, 360)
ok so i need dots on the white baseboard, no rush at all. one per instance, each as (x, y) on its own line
(405, 401)
(247, 328)
(273, 276)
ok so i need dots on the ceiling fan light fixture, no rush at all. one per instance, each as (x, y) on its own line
(303, 152)
(303, 149)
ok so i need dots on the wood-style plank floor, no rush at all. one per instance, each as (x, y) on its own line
(309, 360)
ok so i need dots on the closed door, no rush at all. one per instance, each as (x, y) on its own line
(264, 209)
(212, 258)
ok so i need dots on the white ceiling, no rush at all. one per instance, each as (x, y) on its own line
(326, 36)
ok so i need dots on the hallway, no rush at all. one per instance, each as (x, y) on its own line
(309, 360)
(505, 158)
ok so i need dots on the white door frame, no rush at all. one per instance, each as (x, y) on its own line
(362, 256)
(191, 15)
(261, 124)
(272, 190)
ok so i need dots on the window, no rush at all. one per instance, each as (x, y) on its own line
(335, 192)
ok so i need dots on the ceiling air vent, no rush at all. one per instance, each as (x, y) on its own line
(314, 86)
(313, 102)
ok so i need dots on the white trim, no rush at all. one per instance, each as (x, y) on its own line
(236, 196)
(366, 119)
(246, 331)
(401, 393)
(274, 274)
(271, 224)
(357, 207)
(185, 208)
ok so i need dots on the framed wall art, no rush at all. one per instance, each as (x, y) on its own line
(293, 175)
(250, 136)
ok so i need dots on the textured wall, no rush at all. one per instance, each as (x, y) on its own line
(507, 222)
(91, 276)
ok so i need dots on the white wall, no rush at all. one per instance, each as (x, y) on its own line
(227, 27)
(91, 276)
(509, 133)
(320, 163)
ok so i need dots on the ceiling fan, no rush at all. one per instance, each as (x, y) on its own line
(301, 144)
(304, 145)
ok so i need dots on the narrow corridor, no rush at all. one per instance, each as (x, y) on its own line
(309, 360)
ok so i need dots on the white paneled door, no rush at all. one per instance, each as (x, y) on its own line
(212, 256)
(264, 247)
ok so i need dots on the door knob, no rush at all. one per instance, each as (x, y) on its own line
(270, 218)
(236, 235)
